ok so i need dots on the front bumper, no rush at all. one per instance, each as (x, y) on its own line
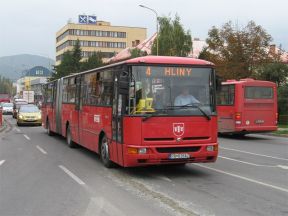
(157, 155)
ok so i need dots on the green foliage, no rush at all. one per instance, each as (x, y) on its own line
(237, 52)
(137, 53)
(93, 61)
(172, 38)
(6, 86)
(276, 72)
(65, 68)
(283, 99)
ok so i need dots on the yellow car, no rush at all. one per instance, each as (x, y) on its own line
(29, 115)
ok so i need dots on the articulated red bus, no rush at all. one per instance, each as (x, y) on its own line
(247, 106)
(126, 111)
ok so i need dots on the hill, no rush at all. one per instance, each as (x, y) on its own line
(12, 66)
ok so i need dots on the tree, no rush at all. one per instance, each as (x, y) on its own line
(237, 52)
(6, 86)
(70, 63)
(172, 38)
(283, 99)
(137, 53)
(93, 61)
(276, 72)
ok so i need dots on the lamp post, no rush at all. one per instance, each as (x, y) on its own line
(154, 11)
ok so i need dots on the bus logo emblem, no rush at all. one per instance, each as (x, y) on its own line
(178, 129)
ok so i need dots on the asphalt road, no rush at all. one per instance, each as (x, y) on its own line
(40, 175)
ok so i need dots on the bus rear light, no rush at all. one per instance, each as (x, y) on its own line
(237, 116)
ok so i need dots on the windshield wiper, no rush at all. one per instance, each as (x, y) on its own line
(156, 113)
(193, 105)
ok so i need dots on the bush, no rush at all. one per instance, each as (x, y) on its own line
(283, 100)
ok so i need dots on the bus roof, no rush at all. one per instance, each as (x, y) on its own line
(172, 60)
(168, 60)
(249, 81)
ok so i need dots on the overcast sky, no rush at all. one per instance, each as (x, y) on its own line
(29, 26)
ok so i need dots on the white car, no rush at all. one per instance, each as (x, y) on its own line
(7, 108)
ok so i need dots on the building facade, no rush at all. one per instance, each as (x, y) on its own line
(98, 36)
(30, 77)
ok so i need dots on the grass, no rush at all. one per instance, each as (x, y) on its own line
(282, 132)
(283, 126)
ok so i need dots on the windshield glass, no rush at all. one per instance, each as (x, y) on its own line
(28, 109)
(7, 105)
(171, 90)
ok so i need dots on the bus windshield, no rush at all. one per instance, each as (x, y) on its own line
(171, 90)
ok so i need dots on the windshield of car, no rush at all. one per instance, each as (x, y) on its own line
(28, 109)
(171, 90)
(7, 105)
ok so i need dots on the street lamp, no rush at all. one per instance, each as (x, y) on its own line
(154, 11)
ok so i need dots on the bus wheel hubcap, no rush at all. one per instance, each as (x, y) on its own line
(105, 149)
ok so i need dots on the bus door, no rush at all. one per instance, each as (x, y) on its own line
(78, 105)
(226, 109)
(121, 89)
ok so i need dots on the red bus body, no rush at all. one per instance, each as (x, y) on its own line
(136, 139)
(250, 107)
(4, 98)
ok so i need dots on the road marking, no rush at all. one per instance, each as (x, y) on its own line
(27, 137)
(72, 175)
(244, 162)
(2, 162)
(245, 178)
(282, 167)
(41, 149)
(268, 156)
(162, 177)
(101, 206)
(17, 129)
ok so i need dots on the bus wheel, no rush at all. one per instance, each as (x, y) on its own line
(104, 153)
(48, 129)
(69, 140)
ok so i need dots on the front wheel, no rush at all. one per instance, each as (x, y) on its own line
(104, 153)
(69, 140)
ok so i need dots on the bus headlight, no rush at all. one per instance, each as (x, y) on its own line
(142, 150)
(211, 148)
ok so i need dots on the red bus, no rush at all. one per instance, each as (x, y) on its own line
(247, 106)
(4, 98)
(126, 113)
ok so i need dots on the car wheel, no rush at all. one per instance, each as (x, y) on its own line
(104, 153)
(69, 140)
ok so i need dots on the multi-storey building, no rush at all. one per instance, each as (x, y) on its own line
(99, 36)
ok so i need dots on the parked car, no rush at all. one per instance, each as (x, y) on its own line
(16, 106)
(29, 115)
(7, 108)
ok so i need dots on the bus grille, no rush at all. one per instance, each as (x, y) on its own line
(178, 149)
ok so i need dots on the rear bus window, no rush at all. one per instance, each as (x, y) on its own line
(256, 92)
(226, 95)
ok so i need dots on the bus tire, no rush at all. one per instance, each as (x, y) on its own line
(48, 129)
(104, 153)
(69, 140)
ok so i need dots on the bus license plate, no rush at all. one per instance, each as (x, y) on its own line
(179, 156)
(259, 121)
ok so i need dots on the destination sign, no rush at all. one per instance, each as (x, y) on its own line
(168, 71)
